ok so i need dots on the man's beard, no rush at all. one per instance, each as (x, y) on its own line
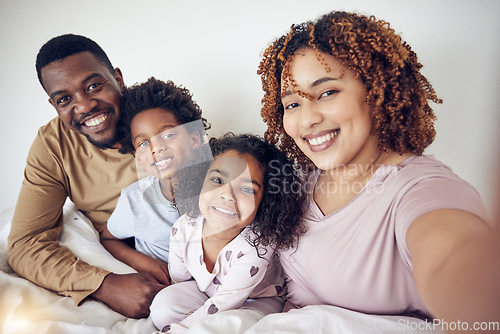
(104, 144)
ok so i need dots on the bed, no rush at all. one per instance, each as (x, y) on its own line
(28, 308)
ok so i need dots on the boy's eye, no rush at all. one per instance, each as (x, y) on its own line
(143, 144)
(168, 136)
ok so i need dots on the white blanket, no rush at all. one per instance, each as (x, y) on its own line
(28, 308)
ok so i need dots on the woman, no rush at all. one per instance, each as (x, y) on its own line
(389, 230)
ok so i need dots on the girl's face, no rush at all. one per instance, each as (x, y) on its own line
(232, 191)
(162, 145)
(334, 127)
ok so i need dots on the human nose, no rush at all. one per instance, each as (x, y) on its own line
(157, 145)
(310, 115)
(227, 193)
(84, 103)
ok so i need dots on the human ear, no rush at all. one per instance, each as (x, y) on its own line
(195, 139)
(51, 103)
(119, 78)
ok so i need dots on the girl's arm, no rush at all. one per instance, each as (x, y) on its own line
(456, 265)
(178, 243)
(234, 288)
(140, 262)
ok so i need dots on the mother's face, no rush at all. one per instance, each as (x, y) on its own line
(332, 125)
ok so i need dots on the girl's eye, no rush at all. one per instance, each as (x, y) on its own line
(328, 93)
(248, 190)
(216, 179)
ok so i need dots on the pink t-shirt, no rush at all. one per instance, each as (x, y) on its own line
(357, 257)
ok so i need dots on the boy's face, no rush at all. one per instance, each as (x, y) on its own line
(162, 145)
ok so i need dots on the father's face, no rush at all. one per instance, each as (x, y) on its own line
(86, 96)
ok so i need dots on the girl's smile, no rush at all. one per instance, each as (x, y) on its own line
(231, 193)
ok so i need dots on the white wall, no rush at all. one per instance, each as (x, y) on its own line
(213, 48)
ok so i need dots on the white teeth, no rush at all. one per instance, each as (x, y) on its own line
(323, 139)
(225, 211)
(162, 162)
(97, 120)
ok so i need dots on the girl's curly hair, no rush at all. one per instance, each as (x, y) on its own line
(278, 219)
(397, 92)
(152, 94)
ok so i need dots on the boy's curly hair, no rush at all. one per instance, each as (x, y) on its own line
(278, 219)
(397, 92)
(152, 94)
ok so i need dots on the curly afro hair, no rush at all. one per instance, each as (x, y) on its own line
(152, 94)
(397, 92)
(278, 219)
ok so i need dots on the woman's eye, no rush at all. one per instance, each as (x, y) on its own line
(328, 93)
(291, 106)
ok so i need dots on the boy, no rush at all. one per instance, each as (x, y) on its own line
(161, 125)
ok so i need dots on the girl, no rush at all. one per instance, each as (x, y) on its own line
(222, 251)
(344, 96)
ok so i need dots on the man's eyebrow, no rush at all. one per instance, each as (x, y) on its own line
(89, 77)
(313, 84)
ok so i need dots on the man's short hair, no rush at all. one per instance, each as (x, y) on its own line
(63, 46)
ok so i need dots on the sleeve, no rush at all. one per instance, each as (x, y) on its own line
(120, 223)
(430, 194)
(177, 266)
(33, 249)
(235, 287)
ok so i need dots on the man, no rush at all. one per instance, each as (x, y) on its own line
(76, 155)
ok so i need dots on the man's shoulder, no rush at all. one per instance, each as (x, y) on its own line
(59, 141)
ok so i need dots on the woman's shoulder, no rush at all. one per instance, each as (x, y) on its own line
(424, 166)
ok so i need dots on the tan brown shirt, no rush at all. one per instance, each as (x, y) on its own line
(62, 163)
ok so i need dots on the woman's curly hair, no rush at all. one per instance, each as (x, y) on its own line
(152, 94)
(278, 219)
(397, 92)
